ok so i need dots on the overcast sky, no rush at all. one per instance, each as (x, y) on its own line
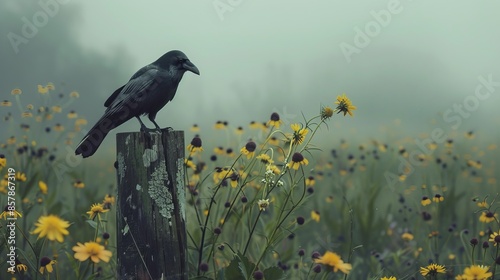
(414, 61)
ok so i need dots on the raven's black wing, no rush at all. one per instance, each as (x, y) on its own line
(113, 96)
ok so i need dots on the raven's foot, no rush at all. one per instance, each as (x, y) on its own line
(144, 129)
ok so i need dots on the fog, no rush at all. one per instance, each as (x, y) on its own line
(417, 64)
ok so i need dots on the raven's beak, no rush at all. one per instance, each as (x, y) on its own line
(188, 65)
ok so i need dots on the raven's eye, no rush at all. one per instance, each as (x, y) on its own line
(182, 60)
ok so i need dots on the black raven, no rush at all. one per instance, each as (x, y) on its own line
(145, 93)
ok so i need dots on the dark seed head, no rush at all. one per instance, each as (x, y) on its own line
(497, 239)
(275, 117)
(204, 267)
(250, 146)
(258, 275)
(44, 261)
(297, 157)
(317, 268)
(315, 255)
(196, 142)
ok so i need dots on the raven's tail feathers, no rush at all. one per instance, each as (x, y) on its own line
(89, 144)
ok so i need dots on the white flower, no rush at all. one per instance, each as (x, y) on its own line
(263, 204)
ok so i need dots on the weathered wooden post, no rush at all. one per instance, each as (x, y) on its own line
(151, 199)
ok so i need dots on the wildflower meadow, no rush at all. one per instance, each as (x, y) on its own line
(267, 199)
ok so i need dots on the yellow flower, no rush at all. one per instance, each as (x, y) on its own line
(16, 91)
(263, 204)
(80, 122)
(425, 201)
(95, 251)
(487, 217)
(495, 237)
(482, 204)
(432, 269)
(273, 168)
(8, 213)
(344, 105)
(407, 236)
(51, 226)
(297, 160)
(265, 158)
(108, 201)
(43, 187)
(402, 177)
(42, 89)
(74, 94)
(96, 209)
(476, 272)
(58, 127)
(46, 264)
(315, 216)
(195, 128)
(222, 173)
(275, 120)
(50, 86)
(56, 109)
(249, 149)
(310, 181)
(220, 125)
(6, 103)
(234, 180)
(239, 130)
(20, 177)
(255, 125)
(195, 145)
(273, 141)
(219, 150)
(3, 161)
(78, 184)
(11, 140)
(21, 266)
(229, 152)
(189, 163)
(334, 260)
(326, 113)
(299, 134)
(438, 198)
(388, 278)
(72, 115)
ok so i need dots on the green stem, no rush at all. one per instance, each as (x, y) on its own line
(204, 228)
(282, 220)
